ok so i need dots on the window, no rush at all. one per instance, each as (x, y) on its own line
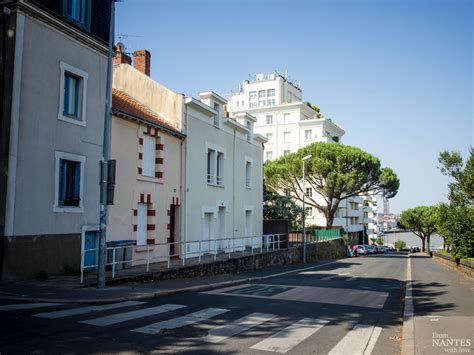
(76, 10)
(220, 168)
(286, 137)
(216, 117)
(69, 182)
(248, 167)
(271, 97)
(286, 152)
(215, 167)
(308, 134)
(269, 155)
(149, 156)
(309, 192)
(142, 223)
(286, 118)
(253, 99)
(237, 104)
(335, 139)
(249, 134)
(261, 98)
(269, 119)
(269, 137)
(309, 211)
(72, 95)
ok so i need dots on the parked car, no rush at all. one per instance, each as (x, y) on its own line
(383, 249)
(360, 250)
(414, 249)
(371, 249)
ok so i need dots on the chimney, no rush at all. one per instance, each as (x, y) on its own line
(120, 56)
(141, 61)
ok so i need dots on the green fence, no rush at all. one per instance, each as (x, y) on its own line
(327, 234)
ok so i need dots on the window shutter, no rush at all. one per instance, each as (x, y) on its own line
(66, 94)
(77, 179)
(149, 155)
(62, 182)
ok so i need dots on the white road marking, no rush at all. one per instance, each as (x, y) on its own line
(356, 341)
(123, 317)
(238, 326)
(408, 330)
(88, 309)
(183, 321)
(288, 338)
(22, 306)
(328, 278)
(373, 340)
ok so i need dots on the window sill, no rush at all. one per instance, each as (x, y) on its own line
(150, 179)
(72, 120)
(68, 209)
(248, 187)
(215, 185)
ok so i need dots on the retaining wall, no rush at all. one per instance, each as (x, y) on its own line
(465, 266)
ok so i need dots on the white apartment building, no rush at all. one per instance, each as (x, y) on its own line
(290, 123)
(223, 182)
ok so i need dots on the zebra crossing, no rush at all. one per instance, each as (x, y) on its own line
(361, 339)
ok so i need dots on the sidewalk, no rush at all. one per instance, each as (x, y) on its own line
(63, 292)
(443, 305)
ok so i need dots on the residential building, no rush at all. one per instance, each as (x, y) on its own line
(290, 123)
(52, 102)
(223, 180)
(146, 142)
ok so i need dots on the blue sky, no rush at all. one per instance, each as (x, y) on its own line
(396, 74)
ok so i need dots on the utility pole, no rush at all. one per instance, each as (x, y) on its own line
(106, 155)
(304, 211)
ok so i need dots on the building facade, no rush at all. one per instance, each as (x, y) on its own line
(223, 181)
(52, 107)
(147, 148)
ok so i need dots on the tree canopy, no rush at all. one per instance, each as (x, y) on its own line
(455, 221)
(334, 172)
(421, 221)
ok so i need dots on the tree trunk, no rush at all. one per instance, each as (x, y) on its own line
(428, 243)
(329, 218)
(423, 245)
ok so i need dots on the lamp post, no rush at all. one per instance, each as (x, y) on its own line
(304, 210)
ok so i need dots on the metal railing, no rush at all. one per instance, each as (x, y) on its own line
(195, 250)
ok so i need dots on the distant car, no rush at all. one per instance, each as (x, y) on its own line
(382, 249)
(371, 249)
(360, 250)
(414, 249)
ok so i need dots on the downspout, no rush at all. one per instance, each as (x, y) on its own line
(233, 189)
(184, 173)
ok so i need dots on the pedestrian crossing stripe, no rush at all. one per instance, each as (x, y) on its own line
(360, 340)
(183, 321)
(286, 339)
(89, 309)
(238, 326)
(123, 317)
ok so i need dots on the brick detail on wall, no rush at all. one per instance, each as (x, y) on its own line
(135, 212)
(150, 227)
(151, 213)
(142, 198)
(140, 156)
(134, 227)
(159, 174)
(158, 160)
(140, 141)
(160, 147)
(168, 226)
(148, 198)
(150, 241)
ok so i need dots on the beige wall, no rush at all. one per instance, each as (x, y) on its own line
(129, 185)
(155, 96)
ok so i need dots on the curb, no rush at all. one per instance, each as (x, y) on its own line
(199, 288)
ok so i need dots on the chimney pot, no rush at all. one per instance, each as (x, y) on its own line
(121, 57)
(141, 61)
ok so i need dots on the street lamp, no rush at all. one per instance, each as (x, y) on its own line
(304, 210)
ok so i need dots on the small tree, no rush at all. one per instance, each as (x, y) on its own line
(400, 244)
(335, 172)
(380, 241)
(282, 207)
(421, 221)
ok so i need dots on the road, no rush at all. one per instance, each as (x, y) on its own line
(352, 306)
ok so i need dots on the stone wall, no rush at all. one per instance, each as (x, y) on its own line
(465, 266)
(331, 249)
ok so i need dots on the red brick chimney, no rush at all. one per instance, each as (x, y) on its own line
(121, 57)
(141, 61)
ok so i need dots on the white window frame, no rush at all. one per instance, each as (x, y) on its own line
(142, 227)
(286, 152)
(217, 151)
(269, 137)
(287, 137)
(269, 119)
(306, 138)
(73, 157)
(310, 213)
(248, 172)
(309, 191)
(82, 95)
(268, 153)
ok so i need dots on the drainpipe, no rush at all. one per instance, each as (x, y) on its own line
(184, 173)
(233, 189)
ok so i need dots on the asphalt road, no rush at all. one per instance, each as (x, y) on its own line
(352, 306)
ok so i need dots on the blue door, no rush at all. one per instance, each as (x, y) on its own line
(90, 242)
